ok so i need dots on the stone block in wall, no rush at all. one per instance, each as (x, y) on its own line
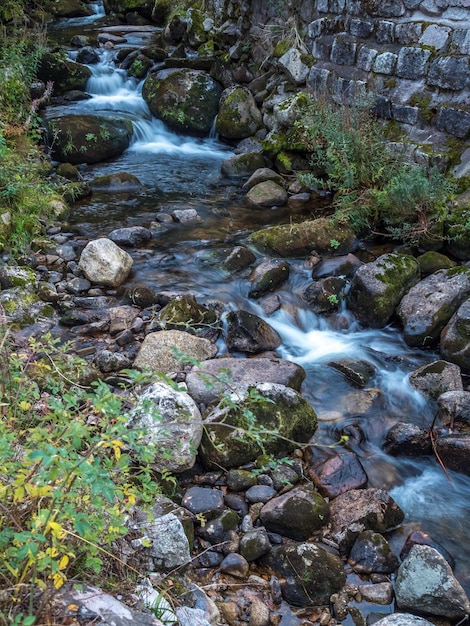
(454, 121)
(337, 6)
(317, 28)
(366, 58)
(385, 32)
(383, 108)
(405, 114)
(412, 63)
(323, 6)
(456, 14)
(291, 62)
(449, 72)
(347, 91)
(318, 80)
(343, 50)
(461, 41)
(354, 7)
(384, 8)
(408, 32)
(436, 36)
(321, 49)
(411, 4)
(385, 63)
(430, 7)
(361, 28)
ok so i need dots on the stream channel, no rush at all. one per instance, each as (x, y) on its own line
(179, 172)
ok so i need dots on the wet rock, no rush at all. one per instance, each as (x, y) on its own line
(131, 237)
(429, 305)
(345, 265)
(357, 371)
(226, 441)
(266, 194)
(185, 99)
(436, 378)
(418, 537)
(267, 275)
(454, 451)
(172, 423)
(143, 296)
(103, 262)
(378, 593)
(185, 314)
(298, 240)
(325, 294)
(87, 56)
(260, 493)
(377, 287)
(309, 574)
(235, 565)
(371, 552)
(454, 410)
(455, 338)
(238, 258)
(64, 73)
(238, 116)
(262, 175)
(211, 379)
(157, 352)
(296, 514)
(203, 501)
(338, 474)
(403, 619)
(404, 439)
(425, 584)
(254, 544)
(242, 164)
(357, 510)
(247, 332)
(88, 138)
(185, 216)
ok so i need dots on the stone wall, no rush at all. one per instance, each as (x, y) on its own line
(413, 56)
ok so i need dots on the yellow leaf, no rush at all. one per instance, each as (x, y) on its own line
(18, 495)
(24, 406)
(64, 561)
(56, 529)
(58, 579)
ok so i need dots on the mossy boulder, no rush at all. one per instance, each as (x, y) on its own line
(239, 116)
(377, 287)
(23, 307)
(266, 194)
(65, 74)
(141, 7)
(309, 573)
(234, 428)
(245, 164)
(88, 138)
(458, 227)
(185, 99)
(71, 8)
(299, 240)
(432, 261)
(184, 313)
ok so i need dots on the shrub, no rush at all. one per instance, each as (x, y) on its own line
(373, 185)
(67, 480)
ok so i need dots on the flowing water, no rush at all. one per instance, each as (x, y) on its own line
(184, 172)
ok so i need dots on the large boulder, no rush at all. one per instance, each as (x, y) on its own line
(309, 574)
(436, 378)
(172, 426)
(88, 138)
(430, 304)
(239, 116)
(266, 417)
(187, 100)
(455, 338)
(454, 410)
(299, 240)
(246, 332)
(211, 379)
(266, 194)
(65, 74)
(172, 350)
(425, 584)
(453, 450)
(142, 7)
(105, 263)
(377, 287)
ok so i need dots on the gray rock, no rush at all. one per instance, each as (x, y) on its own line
(159, 350)
(235, 565)
(116, 182)
(428, 306)
(242, 164)
(405, 439)
(425, 584)
(291, 62)
(454, 121)
(238, 116)
(403, 619)
(357, 371)
(455, 338)
(412, 63)
(287, 111)
(377, 287)
(266, 194)
(185, 216)
(254, 544)
(163, 545)
(378, 593)
(296, 514)
(371, 552)
(436, 378)
(203, 501)
(211, 379)
(449, 72)
(238, 258)
(454, 410)
(385, 63)
(132, 236)
(171, 423)
(343, 50)
(325, 294)
(338, 474)
(109, 361)
(103, 262)
(267, 275)
(261, 176)
(454, 451)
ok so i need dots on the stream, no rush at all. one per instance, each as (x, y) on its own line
(179, 172)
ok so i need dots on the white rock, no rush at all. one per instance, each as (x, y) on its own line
(103, 262)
